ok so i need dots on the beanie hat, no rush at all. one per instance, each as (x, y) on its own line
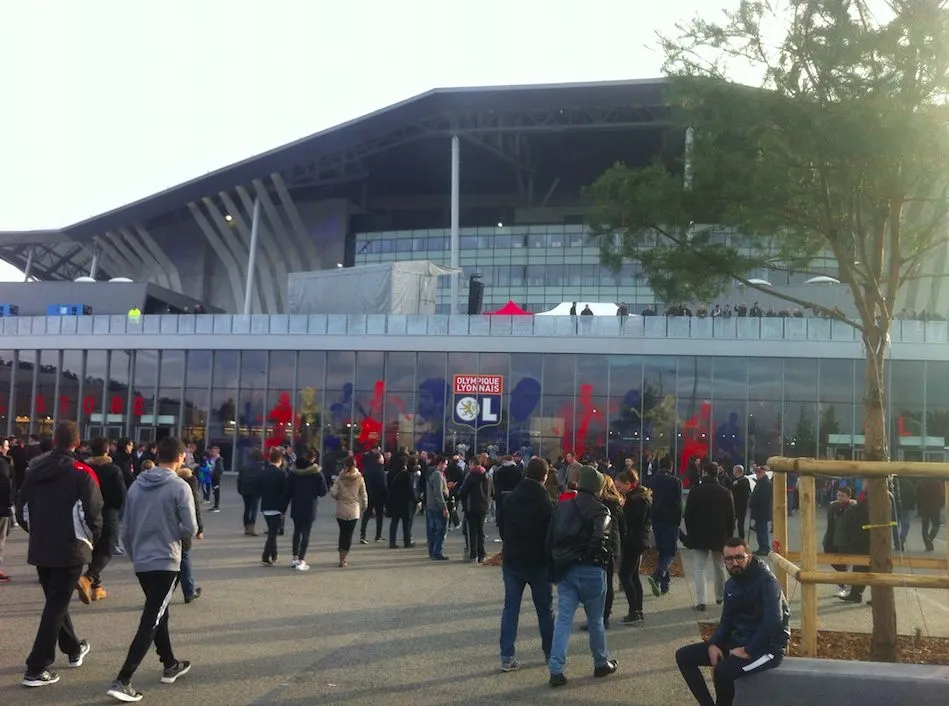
(590, 480)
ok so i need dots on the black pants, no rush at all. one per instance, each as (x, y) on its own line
(474, 526)
(608, 604)
(729, 669)
(270, 546)
(102, 552)
(251, 503)
(930, 528)
(346, 530)
(153, 625)
(55, 624)
(301, 538)
(376, 505)
(631, 581)
(740, 521)
(405, 517)
(858, 590)
(216, 489)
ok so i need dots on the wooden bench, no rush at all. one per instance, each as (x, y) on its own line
(841, 683)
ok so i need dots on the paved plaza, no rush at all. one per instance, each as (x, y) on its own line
(392, 628)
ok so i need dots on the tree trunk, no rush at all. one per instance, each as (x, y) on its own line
(883, 642)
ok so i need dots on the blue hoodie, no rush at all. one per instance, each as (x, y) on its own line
(159, 513)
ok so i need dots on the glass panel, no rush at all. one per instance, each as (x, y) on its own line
(937, 400)
(23, 393)
(197, 400)
(625, 407)
(120, 369)
(369, 400)
(459, 438)
(493, 439)
(224, 410)
(45, 404)
(143, 395)
(97, 371)
(590, 413)
(309, 417)
(337, 430)
(6, 378)
(70, 375)
(558, 405)
(168, 414)
(430, 401)
(659, 436)
(728, 439)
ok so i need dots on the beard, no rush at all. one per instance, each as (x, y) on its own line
(736, 570)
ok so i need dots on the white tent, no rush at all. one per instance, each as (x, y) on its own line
(563, 309)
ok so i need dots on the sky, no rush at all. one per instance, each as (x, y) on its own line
(109, 101)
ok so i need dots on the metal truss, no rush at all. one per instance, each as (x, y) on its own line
(58, 261)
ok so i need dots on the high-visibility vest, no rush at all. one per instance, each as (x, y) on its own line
(134, 314)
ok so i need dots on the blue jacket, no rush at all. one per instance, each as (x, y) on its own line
(666, 497)
(755, 615)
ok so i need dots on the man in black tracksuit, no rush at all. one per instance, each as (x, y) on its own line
(506, 477)
(751, 636)
(112, 487)
(851, 537)
(60, 506)
(374, 473)
(741, 493)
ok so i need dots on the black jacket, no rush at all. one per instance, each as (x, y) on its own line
(306, 484)
(524, 531)
(579, 534)
(61, 507)
(741, 493)
(834, 512)
(111, 482)
(617, 526)
(760, 502)
(188, 476)
(666, 498)
(374, 474)
(474, 495)
(217, 469)
(273, 489)
(904, 490)
(637, 515)
(402, 497)
(849, 535)
(755, 614)
(506, 477)
(6, 486)
(248, 479)
(709, 516)
(124, 462)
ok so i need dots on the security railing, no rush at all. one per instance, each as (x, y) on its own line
(653, 327)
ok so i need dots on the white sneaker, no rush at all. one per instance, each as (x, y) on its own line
(294, 563)
(302, 566)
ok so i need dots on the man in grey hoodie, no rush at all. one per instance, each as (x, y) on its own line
(159, 513)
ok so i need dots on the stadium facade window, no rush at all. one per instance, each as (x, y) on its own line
(171, 381)
(6, 381)
(23, 386)
(197, 401)
(252, 401)
(70, 378)
(222, 427)
(44, 405)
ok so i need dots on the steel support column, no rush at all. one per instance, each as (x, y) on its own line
(171, 271)
(252, 257)
(224, 254)
(29, 264)
(455, 218)
(273, 273)
(94, 265)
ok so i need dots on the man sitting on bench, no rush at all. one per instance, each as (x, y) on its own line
(751, 636)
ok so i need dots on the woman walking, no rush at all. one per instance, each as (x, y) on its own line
(306, 485)
(402, 498)
(614, 502)
(637, 517)
(349, 491)
(248, 485)
(475, 499)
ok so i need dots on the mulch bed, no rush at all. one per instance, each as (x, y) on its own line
(648, 566)
(856, 646)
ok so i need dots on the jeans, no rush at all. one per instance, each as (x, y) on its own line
(761, 533)
(630, 580)
(930, 528)
(515, 579)
(724, 675)
(251, 503)
(206, 490)
(346, 529)
(474, 527)
(301, 538)
(216, 489)
(740, 522)
(376, 505)
(153, 625)
(406, 519)
(435, 527)
(187, 576)
(55, 624)
(701, 557)
(270, 546)
(667, 538)
(584, 585)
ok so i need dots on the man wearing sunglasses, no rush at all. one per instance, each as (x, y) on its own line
(751, 636)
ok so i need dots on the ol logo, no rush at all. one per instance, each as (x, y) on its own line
(477, 400)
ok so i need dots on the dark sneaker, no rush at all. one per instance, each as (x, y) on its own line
(215, 509)
(44, 678)
(653, 585)
(700, 607)
(195, 596)
(363, 540)
(630, 618)
(440, 557)
(84, 648)
(851, 598)
(171, 674)
(266, 562)
(509, 664)
(557, 680)
(84, 589)
(124, 692)
(604, 670)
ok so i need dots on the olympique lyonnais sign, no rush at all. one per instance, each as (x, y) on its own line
(477, 400)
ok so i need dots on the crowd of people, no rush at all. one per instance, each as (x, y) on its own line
(576, 524)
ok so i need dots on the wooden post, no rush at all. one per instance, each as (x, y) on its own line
(947, 523)
(808, 563)
(779, 514)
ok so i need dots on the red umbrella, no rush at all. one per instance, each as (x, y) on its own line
(509, 309)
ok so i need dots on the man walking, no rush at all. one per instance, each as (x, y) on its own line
(436, 510)
(6, 500)
(374, 473)
(217, 472)
(159, 513)
(666, 518)
(709, 522)
(751, 636)
(578, 548)
(760, 506)
(741, 492)
(524, 533)
(60, 506)
(112, 487)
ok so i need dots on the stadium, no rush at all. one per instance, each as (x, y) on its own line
(490, 183)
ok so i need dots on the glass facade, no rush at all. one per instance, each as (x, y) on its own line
(735, 409)
(537, 266)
